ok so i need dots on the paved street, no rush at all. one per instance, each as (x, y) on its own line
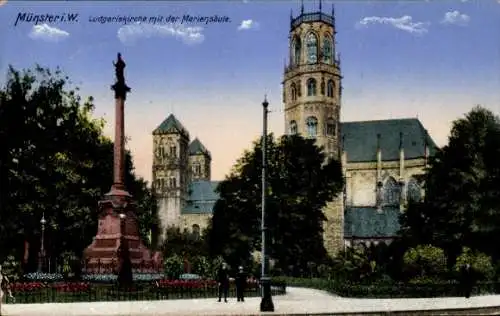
(295, 302)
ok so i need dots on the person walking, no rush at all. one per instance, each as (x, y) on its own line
(223, 282)
(241, 282)
(467, 280)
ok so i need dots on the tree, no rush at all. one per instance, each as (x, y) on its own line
(55, 161)
(462, 185)
(183, 244)
(480, 263)
(300, 184)
(425, 261)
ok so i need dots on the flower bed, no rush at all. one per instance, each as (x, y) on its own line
(46, 292)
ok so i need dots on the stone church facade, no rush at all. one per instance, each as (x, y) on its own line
(381, 160)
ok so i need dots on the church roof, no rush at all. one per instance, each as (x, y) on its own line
(368, 222)
(202, 197)
(360, 139)
(196, 148)
(171, 125)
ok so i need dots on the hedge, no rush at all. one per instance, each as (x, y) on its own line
(390, 289)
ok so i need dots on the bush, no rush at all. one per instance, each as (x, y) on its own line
(417, 288)
(424, 260)
(174, 266)
(480, 263)
(11, 268)
(216, 264)
(201, 266)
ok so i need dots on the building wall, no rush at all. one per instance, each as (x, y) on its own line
(202, 220)
(204, 170)
(170, 176)
(361, 179)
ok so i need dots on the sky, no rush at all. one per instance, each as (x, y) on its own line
(433, 60)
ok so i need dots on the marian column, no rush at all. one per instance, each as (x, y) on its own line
(118, 229)
(121, 89)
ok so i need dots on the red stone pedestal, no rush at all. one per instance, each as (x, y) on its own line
(102, 256)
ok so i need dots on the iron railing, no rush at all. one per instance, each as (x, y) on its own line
(36, 292)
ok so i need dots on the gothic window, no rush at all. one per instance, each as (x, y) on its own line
(312, 126)
(391, 192)
(196, 232)
(197, 169)
(312, 48)
(329, 89)
(293, 128)
(296, 47)
(173, 182)
(322, 86)
(413, 193)
(311, 87)
(162, 183)
(293, 90)
(173, 151)
(327, 49)
(162, 152)
(330, 127)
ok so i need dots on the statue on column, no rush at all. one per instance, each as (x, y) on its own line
(119, 67)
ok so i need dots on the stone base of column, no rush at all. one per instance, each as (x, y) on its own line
(102, 255)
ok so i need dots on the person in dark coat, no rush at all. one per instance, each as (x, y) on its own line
(241, 282)
(223, 281)
(467, 280)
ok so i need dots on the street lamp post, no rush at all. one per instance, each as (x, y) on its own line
(125, 276)
(266, 305)
(41, 255)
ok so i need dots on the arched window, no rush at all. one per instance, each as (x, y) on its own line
(293, 128)
(173, 182)
(330, 88)
(296, 49)
(312, 126)
(196, 232)
(391, 192)
(327, 49)
(330, 127)
(293, 90)
(173, 151)
(413, 193)
(312, 48)
(311, 87)
(196, 168)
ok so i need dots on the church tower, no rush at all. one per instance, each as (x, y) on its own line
(312, 98)
(200, 161)
(170, 171)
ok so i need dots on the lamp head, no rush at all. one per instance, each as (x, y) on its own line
(265, 104)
